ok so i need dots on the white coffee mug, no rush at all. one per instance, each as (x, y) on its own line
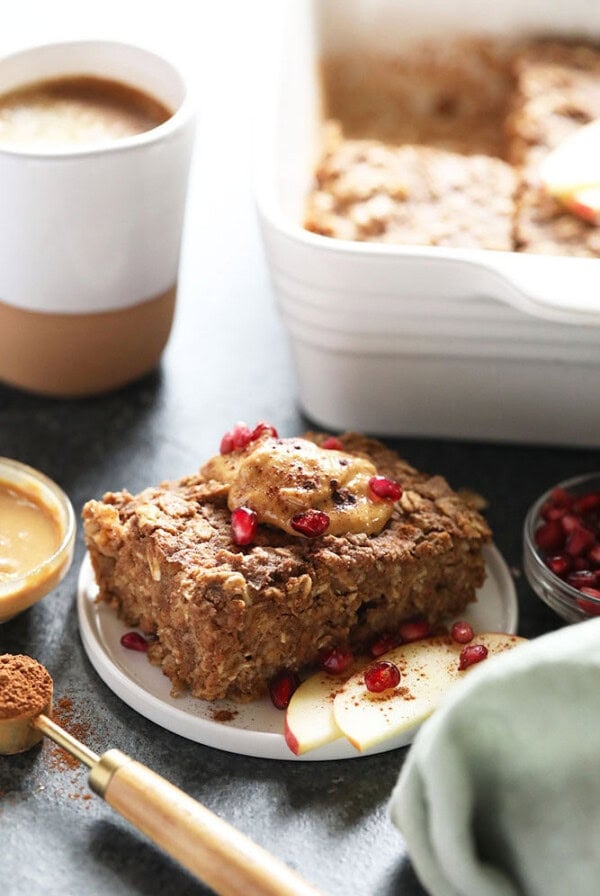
(90, 235)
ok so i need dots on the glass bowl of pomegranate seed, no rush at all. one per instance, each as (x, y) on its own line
(561, 547)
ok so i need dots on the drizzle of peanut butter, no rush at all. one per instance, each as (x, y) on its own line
(279, 478)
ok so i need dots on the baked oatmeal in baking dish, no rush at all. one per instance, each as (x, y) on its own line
(281, 549)
(429, 150)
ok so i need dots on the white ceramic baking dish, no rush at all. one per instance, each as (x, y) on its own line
(402, 340)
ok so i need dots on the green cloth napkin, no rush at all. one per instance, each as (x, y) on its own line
(500, 792)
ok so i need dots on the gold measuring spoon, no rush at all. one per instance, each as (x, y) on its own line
(203, 843)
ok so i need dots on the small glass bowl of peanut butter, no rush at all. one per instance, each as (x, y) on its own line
(37, 534)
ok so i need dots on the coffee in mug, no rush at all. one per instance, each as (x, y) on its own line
(76, 110)
(95, 147)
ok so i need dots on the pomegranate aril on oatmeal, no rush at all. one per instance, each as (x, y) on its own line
(462, 632)
(310, 523)
(332, 444)
(414, 630)
(383, 644)
(471, 654)
(241, 435)
(282, 687)
(385, 488)
(226, 446)
(382, 676)
(337, 661)
(244, 525)
(134, 641)
(264, 429)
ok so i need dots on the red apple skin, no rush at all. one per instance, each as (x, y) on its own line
(291, 740)
(589, 214)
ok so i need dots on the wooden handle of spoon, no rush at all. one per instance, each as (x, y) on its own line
(203, 843)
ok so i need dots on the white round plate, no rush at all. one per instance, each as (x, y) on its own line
(251, 729)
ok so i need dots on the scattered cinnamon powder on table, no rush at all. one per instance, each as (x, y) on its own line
(72, 719)
(26, 691)
(64, 715)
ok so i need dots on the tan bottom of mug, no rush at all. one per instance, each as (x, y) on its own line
(69, 355)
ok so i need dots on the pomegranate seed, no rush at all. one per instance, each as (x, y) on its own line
(226, 446)
(461, 632)
(385, 488)
(593, 555)
(333, 444)
(569, 522)
(560, 564)
(582, 578)
(134, 641)
(263, 429)
(241, 436)
(336, 661)
(471, 654)
(560, 497)
(550, 512)
(244, 524)
(586, 503)
(282, 687)
(381, 677)
(574, 555)
(414, 630)
(589, 606)
(580, 563)
(383, 644)
(311, 523)
(591, 592)
(579, 541)
(550, 537)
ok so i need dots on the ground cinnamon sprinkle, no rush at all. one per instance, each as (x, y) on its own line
(224, 715)
(63, 715)
(69, 716)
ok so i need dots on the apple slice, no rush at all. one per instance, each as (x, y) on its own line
(309, 721)
(575, 163)
(428, 668)
(571, 173)
(585, 203)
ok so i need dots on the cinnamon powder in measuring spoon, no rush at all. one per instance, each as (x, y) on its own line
(25, 692)
(25, 687)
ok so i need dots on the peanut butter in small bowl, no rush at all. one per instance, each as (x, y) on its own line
(37, 533)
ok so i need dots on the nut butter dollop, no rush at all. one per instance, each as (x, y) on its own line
(280, 478)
